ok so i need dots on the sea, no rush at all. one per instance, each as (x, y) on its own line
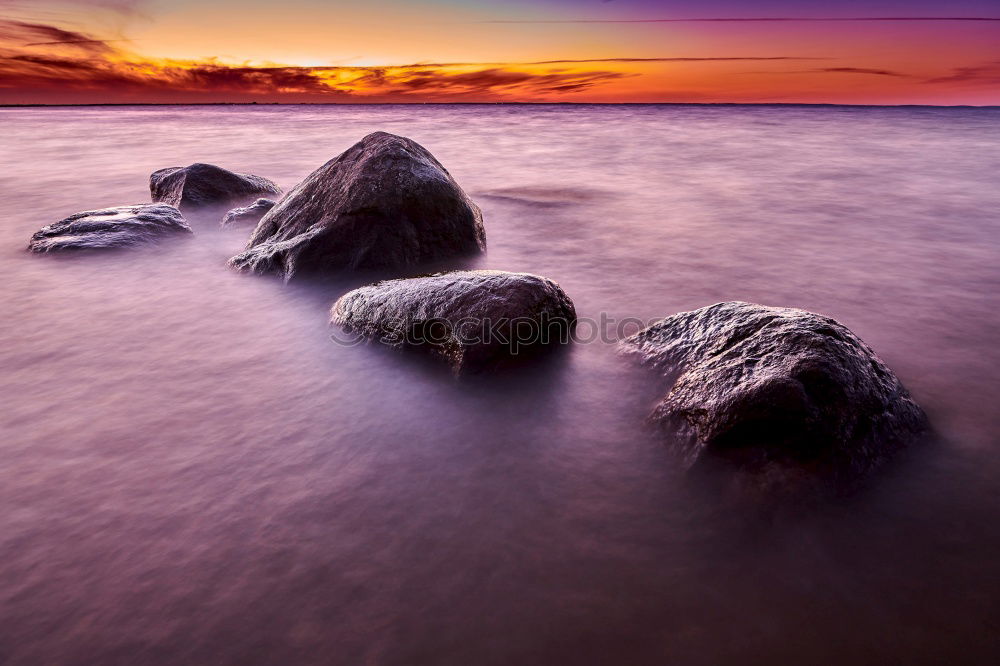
(194, 469)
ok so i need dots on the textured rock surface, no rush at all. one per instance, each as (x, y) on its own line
(201, 185)
(472, 319)
(383, 203)
(121, 226)
(777, 388)
(248, 214)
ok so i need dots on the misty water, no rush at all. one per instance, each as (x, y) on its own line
(191, 471)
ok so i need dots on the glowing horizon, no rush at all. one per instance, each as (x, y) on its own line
(150, 51)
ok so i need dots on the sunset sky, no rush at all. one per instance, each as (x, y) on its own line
(848, 51)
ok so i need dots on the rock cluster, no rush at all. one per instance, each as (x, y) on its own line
(775, 392)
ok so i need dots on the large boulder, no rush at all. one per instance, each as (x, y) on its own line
(201, 185)
(473, 320)
(122, 226)
(775, 390)
(384, 203)
(248, 214)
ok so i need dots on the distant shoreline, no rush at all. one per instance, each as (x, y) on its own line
(767, 104)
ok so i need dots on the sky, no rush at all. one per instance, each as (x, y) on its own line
(608, 51)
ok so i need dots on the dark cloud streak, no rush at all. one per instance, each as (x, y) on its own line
(987, 74)
(861, 70)
(41, 34)
(77, 41)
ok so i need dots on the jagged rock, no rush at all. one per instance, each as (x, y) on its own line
(776, 389)
(202, 185)
(248, 214)
(121, 226)
(384, 203)
(472, 319)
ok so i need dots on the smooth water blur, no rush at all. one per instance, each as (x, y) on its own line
(192, 472)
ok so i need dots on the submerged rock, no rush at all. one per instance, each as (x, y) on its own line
(471, 319)
(775, 390)
(385, 202)
(201, 185)
(248, 214)
(121, 226)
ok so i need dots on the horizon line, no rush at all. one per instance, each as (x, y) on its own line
(766, 19)
(115, 104)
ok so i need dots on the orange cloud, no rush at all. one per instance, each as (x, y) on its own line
(76, 67)
(42, 63)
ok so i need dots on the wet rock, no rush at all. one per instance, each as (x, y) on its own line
(384, 203)
(248, 214)
(473, 320)
(201, 185)
(122, 226)
(776, 391)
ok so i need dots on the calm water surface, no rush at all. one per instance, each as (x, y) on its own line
(191, 472)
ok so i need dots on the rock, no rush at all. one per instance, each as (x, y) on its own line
(384, 203)
(202, 185)
(248, 214)
(771, 389)
(473, 320)
(122, 226)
